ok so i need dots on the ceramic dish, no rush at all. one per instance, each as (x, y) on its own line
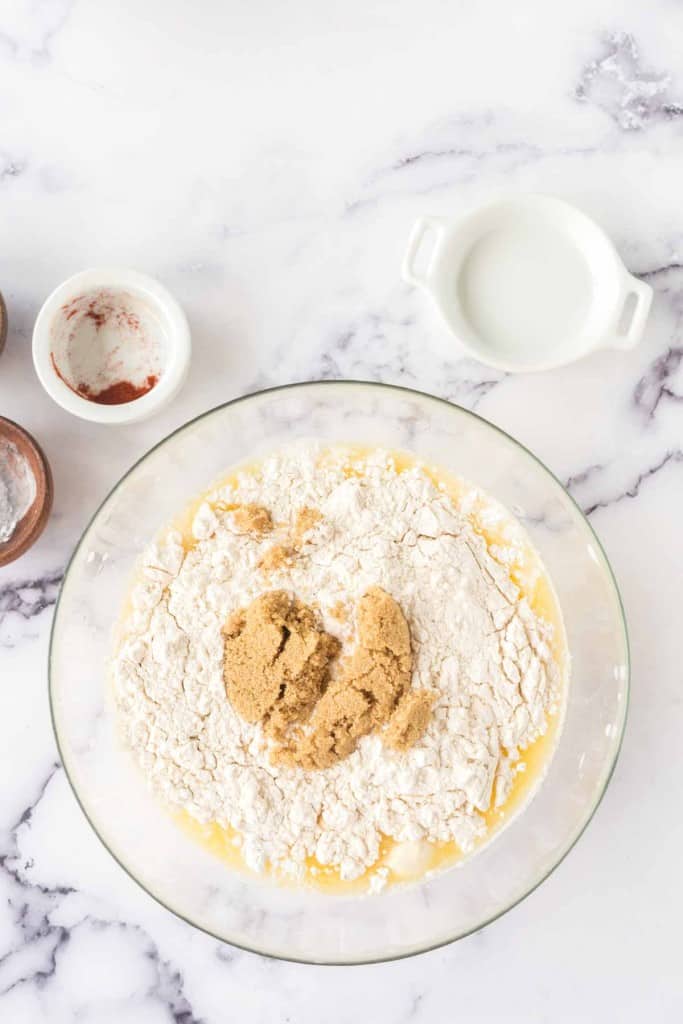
(131, 296)
(302, 924)
(527, 282)
(3, 323)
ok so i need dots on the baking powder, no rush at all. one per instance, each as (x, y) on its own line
(17, 488)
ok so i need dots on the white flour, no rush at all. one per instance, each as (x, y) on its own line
(17, 488)
(473, 639)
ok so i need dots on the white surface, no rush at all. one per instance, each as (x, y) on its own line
(266, 162)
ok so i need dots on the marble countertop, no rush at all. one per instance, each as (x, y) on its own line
(266, 162)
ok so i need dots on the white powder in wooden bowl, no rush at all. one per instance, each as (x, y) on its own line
(17, 488)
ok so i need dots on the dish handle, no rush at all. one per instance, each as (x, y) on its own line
(423, 227)
(632, 312)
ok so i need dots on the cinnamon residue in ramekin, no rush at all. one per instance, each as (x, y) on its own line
(107, 347)
(114, 394)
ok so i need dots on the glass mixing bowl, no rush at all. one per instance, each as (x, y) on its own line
(303, 924)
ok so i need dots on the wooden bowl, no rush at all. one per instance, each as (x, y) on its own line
(30, 527)
(3, 323)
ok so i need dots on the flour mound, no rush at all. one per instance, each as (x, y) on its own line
(478, 651)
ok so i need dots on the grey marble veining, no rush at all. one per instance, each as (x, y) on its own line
(267, 163)
(618, 83)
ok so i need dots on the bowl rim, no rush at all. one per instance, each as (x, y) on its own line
(621, 726)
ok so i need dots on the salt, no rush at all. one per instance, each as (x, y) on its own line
(17, 489)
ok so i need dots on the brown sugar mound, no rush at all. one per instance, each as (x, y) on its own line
(276, 557)
(410, 719)
(339, 611)
(280, 555)
(306, 519)
(253, 519)
(276, 661)
(277, 672)
(365, 693)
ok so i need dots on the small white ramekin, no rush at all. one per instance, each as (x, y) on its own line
(618, 303)
(178, 346)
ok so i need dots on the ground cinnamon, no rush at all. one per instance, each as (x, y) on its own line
(114, 394)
